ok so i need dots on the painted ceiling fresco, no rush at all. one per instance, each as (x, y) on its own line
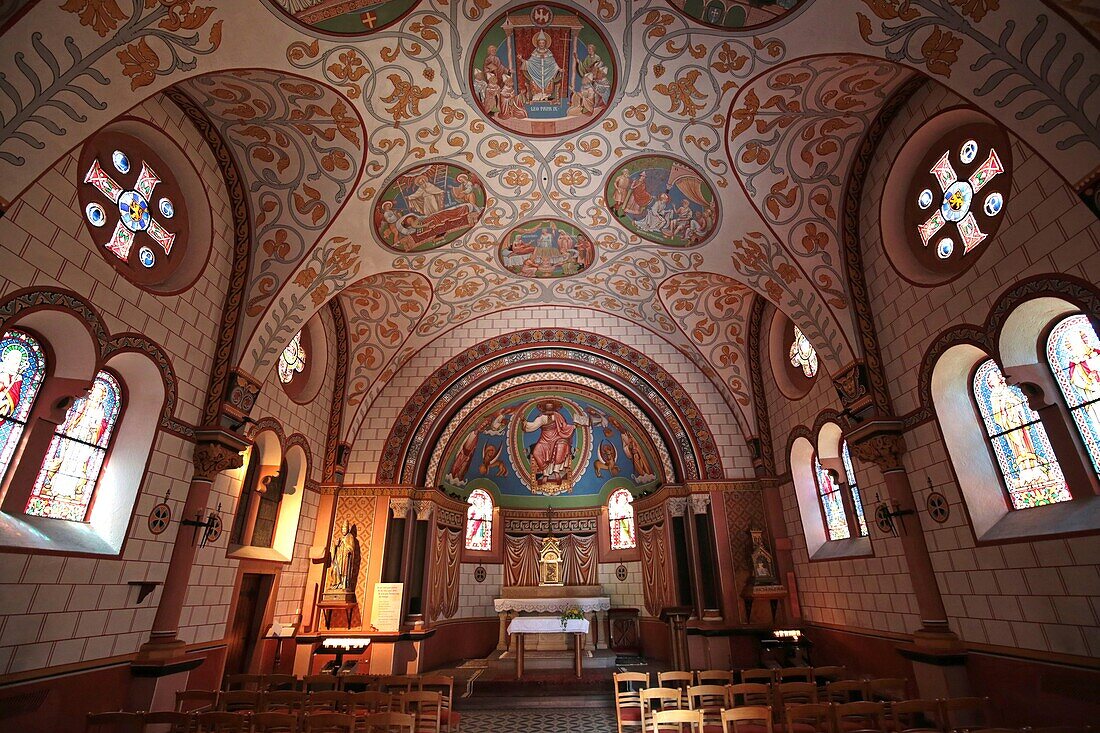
(542, 439)
(407, 156)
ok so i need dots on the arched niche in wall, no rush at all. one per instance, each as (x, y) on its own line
(793, 359)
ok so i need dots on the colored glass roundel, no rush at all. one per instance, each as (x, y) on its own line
(428, 206)
(543, 71)
(1019, 440)
(133, 207)
(663, 200)
(803, 355)
(547, 248)
(67, 479)
(957, 198)
(22, 369)
(1073, 351)
(735, 14)
(347, 17)
(293, 359)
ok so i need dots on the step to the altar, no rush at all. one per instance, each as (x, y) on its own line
(553, 659)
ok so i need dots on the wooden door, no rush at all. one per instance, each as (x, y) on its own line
(246, 626)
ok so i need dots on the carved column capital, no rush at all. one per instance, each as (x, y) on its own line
(677, 505)
(880, 442)
(700, 503)
(215, 452)
(400, 507)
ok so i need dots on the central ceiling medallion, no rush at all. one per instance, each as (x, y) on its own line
(547, 248)
(543, 71)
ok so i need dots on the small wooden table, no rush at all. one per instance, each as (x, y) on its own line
(523, 625)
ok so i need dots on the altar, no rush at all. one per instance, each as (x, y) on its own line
(550, 602)
(540, 625)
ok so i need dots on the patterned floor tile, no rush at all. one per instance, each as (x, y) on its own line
(538, 721)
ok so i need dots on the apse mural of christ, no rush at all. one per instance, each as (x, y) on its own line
(542, 70)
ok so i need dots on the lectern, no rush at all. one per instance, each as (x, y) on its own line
(676, 617)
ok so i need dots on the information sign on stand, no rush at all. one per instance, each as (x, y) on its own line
(385, 611)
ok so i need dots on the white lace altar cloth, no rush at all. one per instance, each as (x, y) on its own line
(552, 605)
(547, 625)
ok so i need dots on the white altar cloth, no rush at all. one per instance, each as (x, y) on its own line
(547, 625)
(551, 605)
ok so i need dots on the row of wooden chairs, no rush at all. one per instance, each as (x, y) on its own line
(226, 722)
(324, 682)
(847, 718)
(819, 675)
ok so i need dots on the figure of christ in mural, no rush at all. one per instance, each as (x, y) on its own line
(428, 207)
(662, 200)
(551, 454)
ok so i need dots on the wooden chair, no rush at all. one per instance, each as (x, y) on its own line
(711, 700)
(389, 723)
(285, 701)
(329, 723)
(244, 682)
(788, 693)
(628, 704)
(714, 677)
(965, 713)
(221, 722)
(234, 701)
(332, 701)
(843, 691)
(274, 682)
(426, 707)
(168, 721)
(358, 682)
(399, 683)
(749, 719)
(276, 723)
(656, 699)
(450, 719)
(371, 701)
(915, 715)
(860, 717)
(749, 694)
(678, 721)
(813, 717)
(794, 674)
(676, 680)
(887, 689)
(196, 701)
(759, 676)
(827, 674)
(114, 722)
(318, 682)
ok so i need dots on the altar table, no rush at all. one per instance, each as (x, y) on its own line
(523, 625)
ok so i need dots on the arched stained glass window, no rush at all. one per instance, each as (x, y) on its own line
(832, 504)
(69, 473)
(1073, 351)
(479, 521)
(853, 488)
(22, 369)
(802, 354)
(1026, 460)
(293, 359)
(620, 515)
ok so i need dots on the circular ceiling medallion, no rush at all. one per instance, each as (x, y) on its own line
(555, 462)
(428, 206)
(663, 200)
(345, 17)
(547, 248)
(736, 14)
(543, 70)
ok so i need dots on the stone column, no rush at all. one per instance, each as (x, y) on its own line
(603, 631)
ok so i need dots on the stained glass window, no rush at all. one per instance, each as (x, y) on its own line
(1026, 460)
(620, 514)
(1074, 354)
(853, 488)
(22, 368)
(293, 359)
(67, 479)
(479, 521)
(802, 354)
(832, 505)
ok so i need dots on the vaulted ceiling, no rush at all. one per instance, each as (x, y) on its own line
(324, 108)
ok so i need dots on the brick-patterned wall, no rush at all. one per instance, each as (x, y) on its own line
(623, 593)
(58, 610)
(475, 600)
(367, 445)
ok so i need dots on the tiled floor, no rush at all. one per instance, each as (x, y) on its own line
(538, 721)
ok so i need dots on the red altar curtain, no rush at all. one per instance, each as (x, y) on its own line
(445, 571)
(522, 566)
(655, 575)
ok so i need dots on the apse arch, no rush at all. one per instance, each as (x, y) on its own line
(677, 419)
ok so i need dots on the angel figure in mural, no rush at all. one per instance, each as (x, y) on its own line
(552, 452)
(643, 472)
(490, 460)
(463, 460)
(608, 460)
(345, 559)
